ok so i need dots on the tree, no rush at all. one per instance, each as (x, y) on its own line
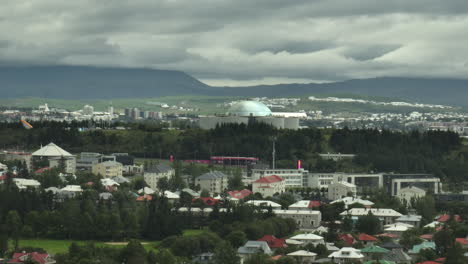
(134, 253)
(205, 193)
(368, 224)
(455, 255)
(237, 238)
(3, 240)
(235, 181)
(444, 240)
(13, 221)
(286, 260)
(225, 254)
(163, 184)
(259, 258)
(163, 256)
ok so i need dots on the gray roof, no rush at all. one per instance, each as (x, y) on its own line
(252, 247)
(409, 218)
(159, 168)
(105, 196)
(212, 175)
(120, 179)
(391, 245)
(397, 255)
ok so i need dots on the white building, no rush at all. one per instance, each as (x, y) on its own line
(309, 238)
(23, 184)
(292, 177)
(338, 190)
(303, 256)
(268, 186)
(108, 169)
(154, 173)
(348, 201)
(386, 216)
(304, 205)
(304, 219)
(408, 193)
(88, 110)
(71, 188)
(361, 180)
(347, 255)
(56, 157)
(264, 203)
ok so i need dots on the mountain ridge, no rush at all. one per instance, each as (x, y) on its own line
(90, 82)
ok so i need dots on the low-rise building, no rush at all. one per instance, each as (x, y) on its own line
(156, 172)
(269, 185)
(338, 190)
(305, 219)
(23, 184)
(264, 203)
(408, 193)
(347, 255)
(253, 247)
(214, 182)
(292, 177)
(348, 201)
(386, 216)
(305, 205)
(414, 220)
(303, 256)
(108, 169)
(309, 238)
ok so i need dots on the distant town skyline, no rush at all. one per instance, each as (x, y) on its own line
(240, 43)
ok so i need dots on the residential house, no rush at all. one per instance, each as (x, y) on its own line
(349, 201)
(414, 252)
(397, 228)
(273, 242)
(109, 184)
(366, 240)
(304, 219)
(309, 238)
(463, 242)
(346, 254)
(23, 184)
(386, 216)
(156, 172)
(239, 195)
(253, 247)
(22, 257)
(214, 182)
(304, 205)
(414, 220)
(269, 185)
(338, 190)
(264, 203)
(108, 169)
(303, 256)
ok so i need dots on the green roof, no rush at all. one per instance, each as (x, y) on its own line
(379, 262)
(374, 249)
(423, 245)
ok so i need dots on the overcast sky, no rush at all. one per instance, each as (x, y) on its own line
(243, 42)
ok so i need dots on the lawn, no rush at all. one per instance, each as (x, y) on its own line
(53, 246)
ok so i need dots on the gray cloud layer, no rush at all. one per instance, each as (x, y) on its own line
(242, 41)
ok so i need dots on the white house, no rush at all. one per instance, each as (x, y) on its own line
(303, 256)
(269, 185)
(264, 203)
(346, 254)
(56, 156)
(23, 184)
(309, 238)
(353, 200)
(253, 247)
(386, 216)
(341, 189)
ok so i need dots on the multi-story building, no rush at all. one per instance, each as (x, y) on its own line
(108, 169)
(214, 182)
(395, 182)
(87, 160)
(154, 173)
(338, 190)
(268, 186)
(305, 219)
(292, 177)
(409, 193)
(362, 181)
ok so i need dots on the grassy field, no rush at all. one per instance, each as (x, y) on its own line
(53, 246)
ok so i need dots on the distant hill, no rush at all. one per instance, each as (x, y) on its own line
(82, 82)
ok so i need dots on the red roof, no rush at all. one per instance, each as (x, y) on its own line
(274, 242)
(276, 257)
(347, 238)
(366, 237)
(269, 179)
(240, 194)
(428, 262)
(426, 236)
(41, 170)
(35, 256)
(462, 241)
(313, 204)
(145, 197)
(445, 217)
(206, 200)
(441, 260)
(387, 235)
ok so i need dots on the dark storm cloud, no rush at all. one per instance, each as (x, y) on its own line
(243, 41)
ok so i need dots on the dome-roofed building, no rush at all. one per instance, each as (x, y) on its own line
(245, 112)
(249, 108)
(56, 157)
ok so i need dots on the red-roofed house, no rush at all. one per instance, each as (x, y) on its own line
(445, 217)
(463, 242)
(41, 258)
(274, 242)
(269, 185)
(146, 197)
(366, 239)
(41, 170)
(240, 194)
(440, 260)
(276, 257)
(427, 237)
(206, 200)
(428, 262)
(347, 239)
